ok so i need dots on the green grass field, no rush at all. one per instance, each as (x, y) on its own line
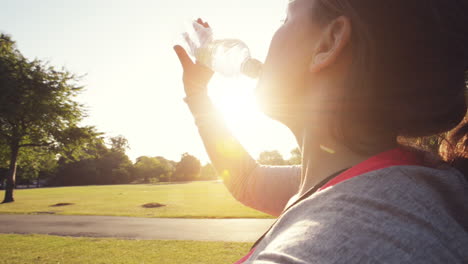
(186, 200)
(67, 250)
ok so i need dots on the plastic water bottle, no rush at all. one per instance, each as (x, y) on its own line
(229, 57)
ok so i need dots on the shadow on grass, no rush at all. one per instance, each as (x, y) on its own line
(61, 204)
(153, 205)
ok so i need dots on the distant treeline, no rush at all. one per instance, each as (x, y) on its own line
(103, 163)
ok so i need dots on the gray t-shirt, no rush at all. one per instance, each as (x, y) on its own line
(399, 214)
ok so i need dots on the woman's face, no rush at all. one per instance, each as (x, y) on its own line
(284, 79)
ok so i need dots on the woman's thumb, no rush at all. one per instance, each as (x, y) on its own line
(183, 56)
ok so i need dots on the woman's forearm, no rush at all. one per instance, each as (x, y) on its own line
(264, 188)
(231, 161)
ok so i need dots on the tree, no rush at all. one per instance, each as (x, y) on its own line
(208, 172)
(36, 107)
(296, 157)
(148, 169)
(119, 144)
(81, 172)
(113, 168)
(168, 169)
(97, 164)
(3, 175)
(114, 165)
(271, 158)
(35, 164)
(188, 169)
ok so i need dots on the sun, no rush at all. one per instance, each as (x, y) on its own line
(235, 99)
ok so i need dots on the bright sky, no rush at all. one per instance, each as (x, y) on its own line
(133, 77)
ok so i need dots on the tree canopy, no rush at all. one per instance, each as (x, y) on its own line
(153, 169)
(37, 107)
(188, 169)
(100, 165)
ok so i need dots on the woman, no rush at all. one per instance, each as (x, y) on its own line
(353, 80)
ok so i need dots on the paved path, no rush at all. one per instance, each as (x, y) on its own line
(233, 230)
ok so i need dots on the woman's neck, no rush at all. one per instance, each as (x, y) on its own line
(323, 156)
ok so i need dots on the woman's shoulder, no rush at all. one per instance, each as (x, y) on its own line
(401, 214)
(426, 192)
(410, 180)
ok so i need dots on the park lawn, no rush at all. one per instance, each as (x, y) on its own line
(69, 250)
(208, 199)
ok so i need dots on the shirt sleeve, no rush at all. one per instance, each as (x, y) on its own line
(264, 188)
(269, 188)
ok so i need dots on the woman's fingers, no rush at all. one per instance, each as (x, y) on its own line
(181, 53)
(183, 57)
(205, 24)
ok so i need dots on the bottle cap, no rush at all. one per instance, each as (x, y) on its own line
(252, 68)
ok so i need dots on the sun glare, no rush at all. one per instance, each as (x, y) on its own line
(235, 99)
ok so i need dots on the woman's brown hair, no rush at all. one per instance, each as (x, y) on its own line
(409, 73)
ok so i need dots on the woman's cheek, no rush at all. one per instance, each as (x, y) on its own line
(284, 67)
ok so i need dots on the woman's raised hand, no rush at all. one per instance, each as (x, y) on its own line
(196, 76)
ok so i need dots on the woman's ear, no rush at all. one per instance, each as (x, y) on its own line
(331, 44)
